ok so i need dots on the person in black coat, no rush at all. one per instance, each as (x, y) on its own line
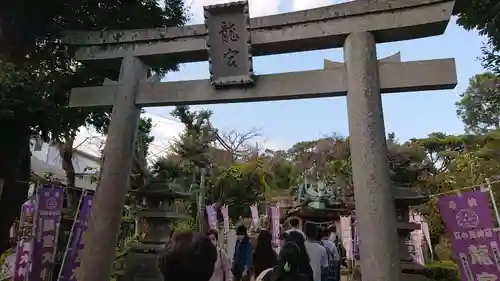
(289, 266)
(304, 265)
(264, 256)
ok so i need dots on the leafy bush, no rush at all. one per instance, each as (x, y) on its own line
(443, 249)
(184, 225)
(443, 271)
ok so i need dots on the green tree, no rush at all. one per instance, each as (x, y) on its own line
(194, 142)
(483, 16)
(454, 162)
(239, 186)
(37, 73)
(479, 106)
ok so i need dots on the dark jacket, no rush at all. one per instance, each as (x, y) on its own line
(242, 256)
(306, 269)
(272, 276)
(263, 261)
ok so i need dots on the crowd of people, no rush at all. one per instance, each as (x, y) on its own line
(315, 254)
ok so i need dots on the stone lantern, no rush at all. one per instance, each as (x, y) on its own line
(404, 197)
(156, 211)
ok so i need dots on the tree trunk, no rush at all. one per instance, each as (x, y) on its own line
(15, 171)
(66, 153)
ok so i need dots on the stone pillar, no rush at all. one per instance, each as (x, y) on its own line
(373, 199)
(102, 233)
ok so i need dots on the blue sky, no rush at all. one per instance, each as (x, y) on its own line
(409, 115)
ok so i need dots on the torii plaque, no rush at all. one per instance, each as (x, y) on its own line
(229, 44)
(356, 26)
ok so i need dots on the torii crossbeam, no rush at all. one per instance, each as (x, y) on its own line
(395, 77)
(356, 26)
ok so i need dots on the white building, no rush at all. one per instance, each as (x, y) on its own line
(47, 160)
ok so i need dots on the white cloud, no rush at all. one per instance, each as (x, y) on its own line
(257, 8)
(311, 4)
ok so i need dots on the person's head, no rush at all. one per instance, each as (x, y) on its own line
(298, 239)
(325, 232)
(333, 228)
(264, 239)
(311, 231)
(294, 222)
(264, 243)
(241, 231)
(289, 262)
(213, 235)
(184, 250)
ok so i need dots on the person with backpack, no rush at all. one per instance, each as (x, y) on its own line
(331, 273)
(337, 241)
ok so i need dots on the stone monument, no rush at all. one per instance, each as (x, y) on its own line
(157, 212)
(356, 26)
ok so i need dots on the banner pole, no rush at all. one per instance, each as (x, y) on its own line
(493, 201)
(71, 233)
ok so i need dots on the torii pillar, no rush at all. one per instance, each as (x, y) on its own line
(100, 244)
(370, 163)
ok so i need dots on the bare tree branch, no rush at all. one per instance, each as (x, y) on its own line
(238, 141)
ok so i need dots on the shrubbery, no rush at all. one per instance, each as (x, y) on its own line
(443, 271)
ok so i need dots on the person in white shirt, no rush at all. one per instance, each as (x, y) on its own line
(317, 253)
(294, 223)
(325, 234)
(336, 240)
(333, 255)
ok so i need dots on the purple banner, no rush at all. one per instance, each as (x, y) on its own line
(475, 245)
(72, 262)
(24, 248)
(48, 217)
(355, 240)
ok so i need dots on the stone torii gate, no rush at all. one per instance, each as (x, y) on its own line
(228, 40)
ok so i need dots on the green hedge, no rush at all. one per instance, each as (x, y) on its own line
(443, 271)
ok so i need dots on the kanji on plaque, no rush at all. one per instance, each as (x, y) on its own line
(469, 222)
(230, 57)
(228, 32)
(48, 217)
(229, 44)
